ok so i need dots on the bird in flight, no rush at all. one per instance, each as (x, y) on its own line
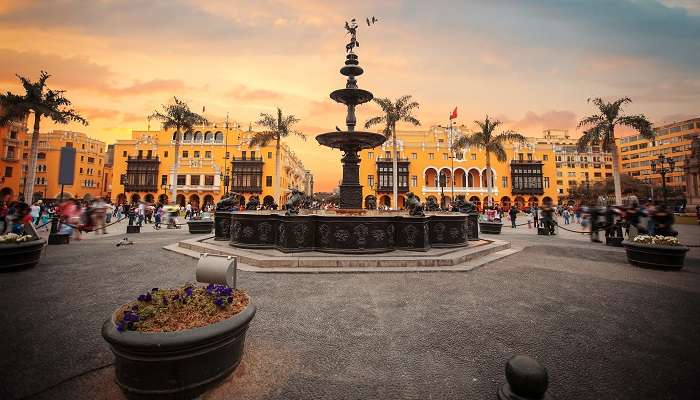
(371, 21)
(337, 129)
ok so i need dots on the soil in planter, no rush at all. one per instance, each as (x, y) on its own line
(188, 307)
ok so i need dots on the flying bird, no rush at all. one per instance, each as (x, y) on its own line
(371, 21)
(338, 129)
(124, 242)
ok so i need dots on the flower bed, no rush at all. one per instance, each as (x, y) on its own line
(19, 251)
(662, 252)
(176, 343)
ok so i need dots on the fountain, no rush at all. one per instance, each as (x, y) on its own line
(351, 230)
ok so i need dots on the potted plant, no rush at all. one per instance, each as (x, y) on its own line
(664, 252)
(176, 343)
(198, 225)
(492, 224)
(20, 251)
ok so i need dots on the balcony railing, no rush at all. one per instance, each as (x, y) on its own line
(249, 159)
(389, 159)
(143, 158)
(246, 189)
(460, 189)
(526, 161)
(401, 189)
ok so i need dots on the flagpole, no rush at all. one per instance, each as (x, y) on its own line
(452, 159)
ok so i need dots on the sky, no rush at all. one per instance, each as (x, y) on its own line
(530, 63)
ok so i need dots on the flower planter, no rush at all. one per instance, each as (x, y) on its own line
(200, 226)
(655, 256)
(177, 365)
(15, 256)
(490, 227)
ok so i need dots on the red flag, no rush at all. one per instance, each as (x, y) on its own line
(453, 115)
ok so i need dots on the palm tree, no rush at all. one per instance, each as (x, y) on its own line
(600, 130)
(398, 111)
(491, 144)
(44, 103)
(177, 116)
(276, 128)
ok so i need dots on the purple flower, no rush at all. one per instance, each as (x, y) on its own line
(219, 301)
(188, 291)
(149, 297)
(135, 308)
(142, 297)
(177, 296)
(165, 301)
(120, 326)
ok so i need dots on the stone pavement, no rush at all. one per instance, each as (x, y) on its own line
(604, 329)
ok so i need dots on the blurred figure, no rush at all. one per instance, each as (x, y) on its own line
(99, 215)
(663, 221)
(513, 214)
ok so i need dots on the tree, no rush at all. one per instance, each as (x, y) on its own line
(600, 130)
(276, 128)
(177, 116)
(486, 140)
(44, 103)
(398, 111)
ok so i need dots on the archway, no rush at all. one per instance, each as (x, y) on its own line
(473, 178)
(208, 136)
(135, 197)
(547, 200)
(197, 137)
(505, 202)
(208, 199)
(37, 196)
(519, 202)
(446, 200)
(484, 178)
(6, 194)
(163, 199)
(475, 200)
(367, 200)
(194, 200)
(385, 200)
(218, 137)
(532, 201)
(401, 202)
(180, 199)
(447, 177)
(121, 198)
(460, 178)
(148, 198)
(430, 176)
(188, 137)
(268, 200)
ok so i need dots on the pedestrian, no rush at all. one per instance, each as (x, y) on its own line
(565, 214)
(36, 212)
(188, 211)
(513, 213)
(158, 215)
(535, 216)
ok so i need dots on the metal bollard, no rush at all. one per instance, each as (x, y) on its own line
(527, 380)
(214, 268)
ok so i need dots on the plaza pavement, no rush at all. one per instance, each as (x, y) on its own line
(604, 329)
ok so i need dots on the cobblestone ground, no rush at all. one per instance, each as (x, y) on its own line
(604, 329)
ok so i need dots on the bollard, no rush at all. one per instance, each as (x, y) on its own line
(214, 268)
(56, 237)
(527, 380)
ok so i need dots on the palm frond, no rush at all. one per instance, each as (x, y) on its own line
(497, 150)
(590, 120)
(638, 123)
(374, 121)
(262, 139)
(591, 136)
(509, 136)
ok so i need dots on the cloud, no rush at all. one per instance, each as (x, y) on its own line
(553, 119)
(148, 87)
(96, 113)
(242, 92)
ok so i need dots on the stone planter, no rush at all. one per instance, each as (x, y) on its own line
(490, 227)
(200, 226)
(655, 256)
(21, 255)
(177, 365)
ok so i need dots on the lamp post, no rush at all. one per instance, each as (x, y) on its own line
(666, 165)
(450, 126)
(442, 180)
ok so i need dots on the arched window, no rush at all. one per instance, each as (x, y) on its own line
(218, 137)
(208, 136)
(198, 136)
(188, 137)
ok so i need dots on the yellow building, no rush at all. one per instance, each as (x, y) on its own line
(424, 156)
(672, 140)
(89, 165)
(13, 142)
(211, 158)
(574, 168)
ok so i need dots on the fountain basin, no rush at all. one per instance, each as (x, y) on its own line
(348, 234)
(351, 96)
(355, 140)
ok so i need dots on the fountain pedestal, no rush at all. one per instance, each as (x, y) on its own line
(350, 188)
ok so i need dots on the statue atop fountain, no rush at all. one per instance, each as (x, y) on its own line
(351, 141)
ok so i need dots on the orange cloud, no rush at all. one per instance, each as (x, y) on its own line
(242, 92)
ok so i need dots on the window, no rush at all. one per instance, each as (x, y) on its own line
(243, 155)
(91, 160)
(194, 180)
(504, 181)
(13, 135)
(269, 154)
(81, 170)
(546, 182)
(444, 156)
(8, 172)
(414, 181)
(124, 153)
(431, 156)
(227, 155)
(150, 154)
(209, 180)
(414, 156)
(207, 154)
(473, 157)
(82, 158)
(268, 179)
(387, 154)
(164, 179)
(370, 155)
(370, 181)
(520, 156)
(165, 154)
(597, 175)
(140, 153)
(69, 144)
(25, 155)
(252, 155)
(196, 154)
(182, 179)
(185, 154)
(560, 182)
(83, 146)
(41, 156)
(529, 156)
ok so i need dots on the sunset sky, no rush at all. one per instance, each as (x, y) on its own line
(531, 63)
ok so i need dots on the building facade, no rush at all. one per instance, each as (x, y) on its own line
(212, 162)
(13, 144)
(428, 168)
(673, 141)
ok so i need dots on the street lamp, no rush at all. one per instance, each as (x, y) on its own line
(452, 158)
(666, 165)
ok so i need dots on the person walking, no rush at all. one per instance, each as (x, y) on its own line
(513, 213)
(36, 212)
(535, 216)
(565, 214)
(158, 216)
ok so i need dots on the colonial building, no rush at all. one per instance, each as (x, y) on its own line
(691, 168)
(14, 141)
(428, 168)
(212, 161)
(673, 141)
